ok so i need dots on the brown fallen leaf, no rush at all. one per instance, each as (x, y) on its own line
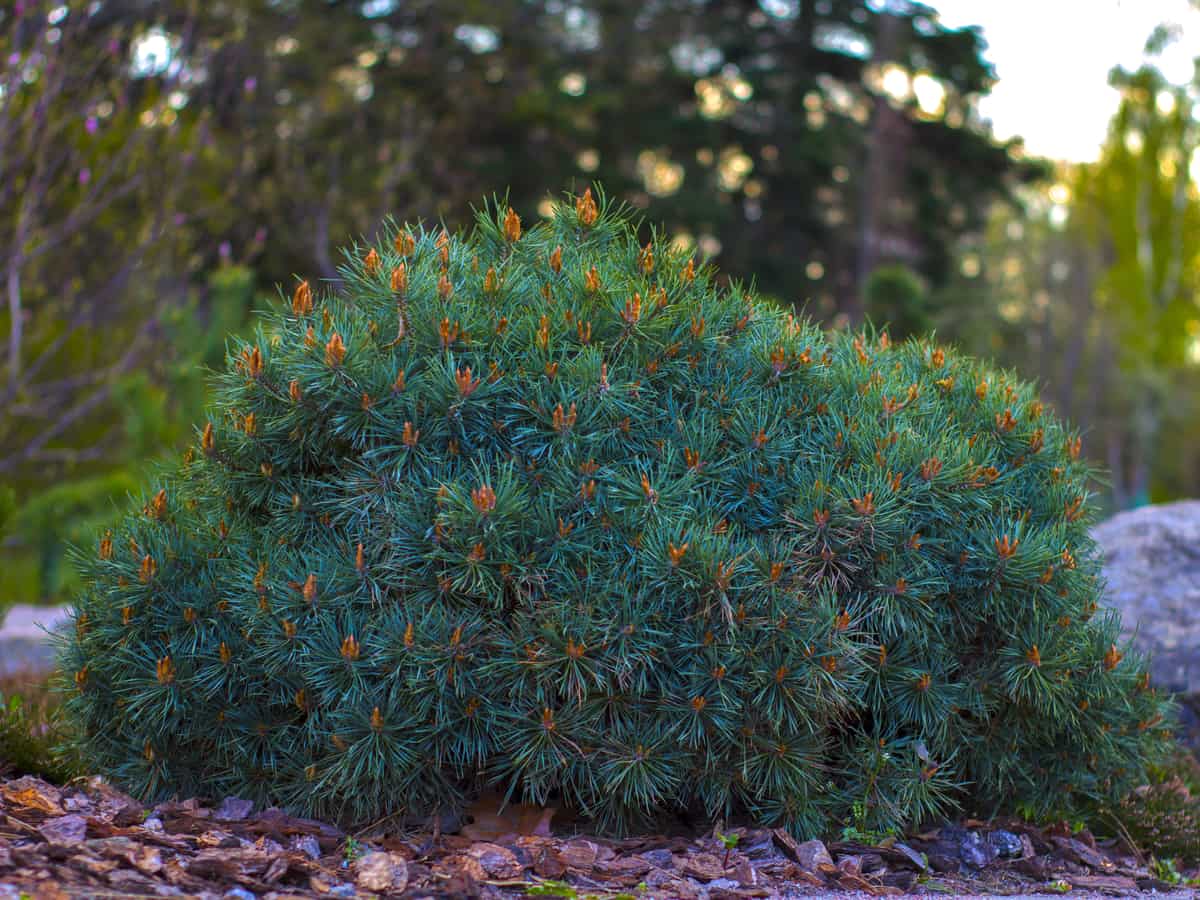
(49, 890)
(92, 865)
(785, 842)
(1120, 884)
(491, 818)
(701, 866)
(625, 870)
(1078, 851)
(64, 829)
(546, 864)
(858, 883)
(175, 873)
(146, 860)
(579, 855)
(904, 879)
(463, 867)
(1036, 867)
(744, 874)
(320, 884)
(217, 839)
(213, 864)
(276, 870)
(33, 793)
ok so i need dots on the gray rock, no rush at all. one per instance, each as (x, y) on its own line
(382, 872)
(975, 851)
(1152, 566)
(811, 854)
(1006, 844)
(234, 809)
(1152, 570)
(970, 848)
(25, 645)
(306, 844)
(664, 859)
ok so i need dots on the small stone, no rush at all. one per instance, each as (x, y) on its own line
(723, 884)
(850, 864)
(153, 824)
(975, 851)
(237, 893)
(811, 854)
(1006, 844)
(382, 872)
(343, 890)
(306, 844)
(663, 859)
(499, 862)
(234, 809)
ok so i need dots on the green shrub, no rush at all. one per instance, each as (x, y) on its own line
(1163, 816)
(8, 503)
(64, 514)
(894, 296)
(33, 738)
(557, 512)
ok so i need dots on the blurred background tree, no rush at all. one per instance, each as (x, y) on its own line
(1092, 283)
(165, 164)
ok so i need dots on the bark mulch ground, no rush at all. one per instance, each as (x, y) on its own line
(88, 840)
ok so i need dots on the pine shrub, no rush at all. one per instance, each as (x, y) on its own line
(559, 512)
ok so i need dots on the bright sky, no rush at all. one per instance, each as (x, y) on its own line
(1052, 59)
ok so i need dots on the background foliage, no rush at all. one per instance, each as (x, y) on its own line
(163, 163)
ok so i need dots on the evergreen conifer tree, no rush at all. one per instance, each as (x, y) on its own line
(554, 511)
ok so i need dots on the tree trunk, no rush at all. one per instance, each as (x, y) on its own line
(16, 323)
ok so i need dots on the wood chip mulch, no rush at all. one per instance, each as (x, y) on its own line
(88, 840)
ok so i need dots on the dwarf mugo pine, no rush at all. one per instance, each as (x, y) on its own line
(552, 509)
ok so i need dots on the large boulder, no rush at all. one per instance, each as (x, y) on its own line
(1152, 566)
(25, 643)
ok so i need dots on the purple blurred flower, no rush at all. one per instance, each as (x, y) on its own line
(20, 8)
(179, 218)
(14, 59)
(91, 125)
(85, 175)
(226, 250)
(250, 84)
(260, 235)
